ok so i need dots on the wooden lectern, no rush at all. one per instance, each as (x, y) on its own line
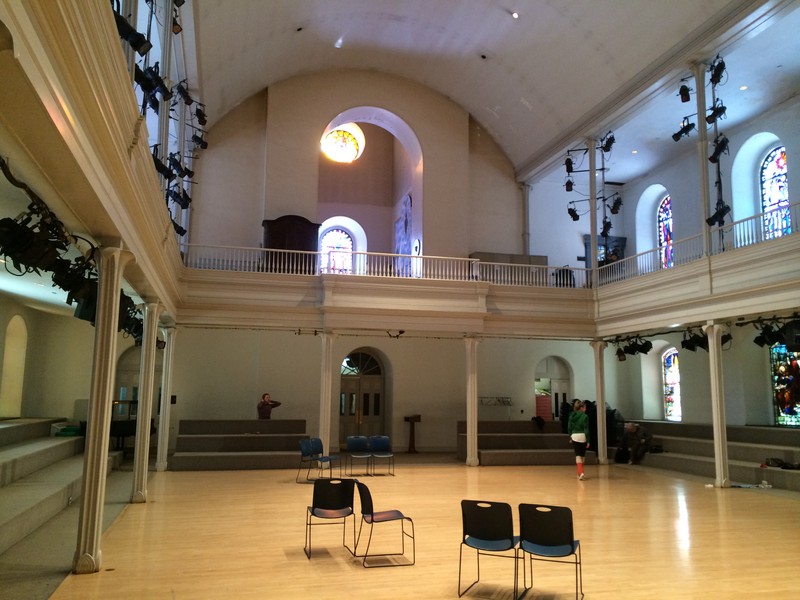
(412, 420)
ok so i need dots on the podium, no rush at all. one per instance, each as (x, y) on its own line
(412, 420)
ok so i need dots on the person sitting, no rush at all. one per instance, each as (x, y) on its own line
(265, 406)
(637, 439)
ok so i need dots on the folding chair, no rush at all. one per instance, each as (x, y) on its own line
(332, 501)
(546, 534)
(488, 527)
(380, 448)
(370, 517)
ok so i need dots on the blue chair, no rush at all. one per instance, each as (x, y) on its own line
(380, 448)
(312, 452)
(357, 449)
(306, 458)
(488, 528)
(332, 502)
(546, 534)
(370, 517)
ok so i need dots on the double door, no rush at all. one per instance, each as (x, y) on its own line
(362, 409)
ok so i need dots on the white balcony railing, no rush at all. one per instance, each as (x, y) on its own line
(399, 266)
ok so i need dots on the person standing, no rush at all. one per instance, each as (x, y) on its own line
(579, 435)
(265, 406)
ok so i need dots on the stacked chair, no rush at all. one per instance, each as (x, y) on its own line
(312, 453)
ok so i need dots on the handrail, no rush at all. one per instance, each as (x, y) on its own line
(739, 234)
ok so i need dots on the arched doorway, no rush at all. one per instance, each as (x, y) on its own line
(553, 379)
(14, 356)
(126, 392)
(362, 399)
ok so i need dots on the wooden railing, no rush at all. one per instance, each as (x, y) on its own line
(400, 266)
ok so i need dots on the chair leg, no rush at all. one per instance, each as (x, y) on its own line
(478, 558)
(307, 547)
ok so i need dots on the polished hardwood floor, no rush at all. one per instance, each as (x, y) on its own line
(645, 534)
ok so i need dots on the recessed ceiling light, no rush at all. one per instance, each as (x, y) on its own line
(742, 88)
(338, 43)
(515, 15)
(634, 152)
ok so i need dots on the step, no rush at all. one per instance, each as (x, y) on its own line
(531, 457)
(749, 452)
(233, 461)
(240, 426)
(24, 458)
(14, 431)
(248, 442)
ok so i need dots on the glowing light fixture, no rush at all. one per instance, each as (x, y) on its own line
(344, 143)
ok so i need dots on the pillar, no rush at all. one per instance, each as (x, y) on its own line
(714, 333)
(600, 390)
(471, 344)
(162, 451)
(326, 389)
(110, 265)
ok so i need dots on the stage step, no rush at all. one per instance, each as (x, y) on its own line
(531, 457)
(23, 458)
(233, 461)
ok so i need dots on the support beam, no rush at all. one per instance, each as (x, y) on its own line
(714, 333)
(162, 451)
(471, 345)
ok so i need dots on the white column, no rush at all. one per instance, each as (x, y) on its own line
(714, 334)
(162, 452)
(471, 344)
(110, 265)
(147, 366)
(600, 390)
(325, 391)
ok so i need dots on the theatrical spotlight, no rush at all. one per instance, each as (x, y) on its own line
(568, 164)
(717, 70)
(718, 218)
(152, 73)
(201, 115)
(614, 208)
(178, 229)
(184, 93)
(717, 112)
(30, 247)
(78, 278)
(606, 227)
(720, 147)
(621, 355)
(770, 335)
(607, 142)
(137, 41)
(199, 141)
(692, 340)
(684, 92)
(179, 168)
(686, 127)
(176, 26)
(163, 169)
(573, 213)
(569, 184)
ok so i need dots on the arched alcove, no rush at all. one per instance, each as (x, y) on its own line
(553, 379)
(646, 209)
(745, 174)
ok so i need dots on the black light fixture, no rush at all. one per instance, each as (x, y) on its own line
(200, 114)
(568, 164)
(136, 40)
(569, 184)
(180, 169)
(717, 112)
(176, 26)
(718, 218)
(720, 148)
(770, 335)
(199, 141)
(614, 208)
(178, 3)
(178, 229)
(163, 169)
(686, 127)
(607, 142)
(684, 92)
(573, 213)
(692, 340)
(606, 227)
(621, 355)
(717, 70)
(183, 92)
(179, 196)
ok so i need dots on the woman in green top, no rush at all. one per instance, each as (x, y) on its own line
(579, 434)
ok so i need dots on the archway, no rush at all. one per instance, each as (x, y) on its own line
(363, 406)
(126, 392)
(553, 387)
(14, 356)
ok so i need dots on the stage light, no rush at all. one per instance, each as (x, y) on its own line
(184, 93)
(607, 142)
(179, 168)
(176, 26)
(718, 218)
(568, 164)
(163, 169)
(686, 127)
(77, 279)
(606, 227)
(621, 355)
(179, 197)
(137, 41)
(152, 73)
(573, 213)
(199, 141)
(692, 340)
(717, 112)
(683, 92)
(569, 184)
(201, 116)
(178, 229)
(720, 147)
(717, 69)
(614, 208)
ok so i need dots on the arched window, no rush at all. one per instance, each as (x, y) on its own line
(672, 385)
(785, 367)
(336, 247)
(665, 233)
(775, 194)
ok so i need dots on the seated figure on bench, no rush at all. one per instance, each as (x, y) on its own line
(265, 406)
(637, 439)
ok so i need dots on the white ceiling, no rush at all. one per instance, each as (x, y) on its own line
(562, 71)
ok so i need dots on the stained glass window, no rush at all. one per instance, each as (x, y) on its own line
(665, 233)
(672, 385)
(775, 194)
(785, 385)
(337, 251)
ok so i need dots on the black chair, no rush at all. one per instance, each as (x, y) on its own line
(546, 534)
(488, 527)
(357, 449)
(370, 517)
(331, 503)
(381, 449)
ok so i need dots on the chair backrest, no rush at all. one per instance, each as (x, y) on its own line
(488, 521)
(366, 499)
(316, 446)
(546, 525)
(306, 448)
(333, 494)
(380, 443)
(357, 443)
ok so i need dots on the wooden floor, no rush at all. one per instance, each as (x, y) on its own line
(645, 534)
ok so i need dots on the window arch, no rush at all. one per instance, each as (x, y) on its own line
(664, 218)
(775, 194)
(671, 378)
(336, 247)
